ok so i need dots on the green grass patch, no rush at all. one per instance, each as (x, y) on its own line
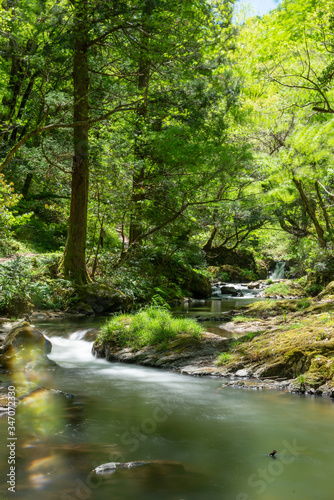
(277, 289)
(245, 338)
(151, 326)
(224, 358)
(286, 289)
(244, 319)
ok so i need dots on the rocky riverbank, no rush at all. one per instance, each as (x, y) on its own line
(281, 344)
(185, 354)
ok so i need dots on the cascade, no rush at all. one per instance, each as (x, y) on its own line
(278, 272)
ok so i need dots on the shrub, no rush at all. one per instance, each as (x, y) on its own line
(314, 289)
(25, 282)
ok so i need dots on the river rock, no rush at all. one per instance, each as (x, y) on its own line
(168, 478)
(24, 347)
(111, 467)
(198, 285)
(230, 290)
(100, 298)
(243, 373)
(256, 285)
(185, 354)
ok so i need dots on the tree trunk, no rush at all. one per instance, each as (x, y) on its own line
(208, 245)
(136, 228)
(27, 184)
(311, 212)
(73, 263)
(323, 207)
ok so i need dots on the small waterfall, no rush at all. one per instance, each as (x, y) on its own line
(278, 272)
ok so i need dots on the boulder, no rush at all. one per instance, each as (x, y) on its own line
(170, 479)
(243, 373)
(196, 284)
(100, 298)
(18, 307)
(328, 291)
(230, 290)
(257, 285)
(236, 258)
(24, 347)
(233, 274)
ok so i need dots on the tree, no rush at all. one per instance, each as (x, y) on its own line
(284, 57)
(74, 258)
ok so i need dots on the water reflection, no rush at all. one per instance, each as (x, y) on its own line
(212, 313)
(203, 443)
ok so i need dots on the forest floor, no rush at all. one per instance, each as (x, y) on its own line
(16, 255)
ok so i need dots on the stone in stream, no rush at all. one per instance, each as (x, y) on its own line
(111, 467)
(243, 373)
(25, 348)
(256, 285)
(158, 476)
(230, 290)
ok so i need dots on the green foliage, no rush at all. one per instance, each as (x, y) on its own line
(245, 338)
(29, 282)
(303, 304)
(151, 326)
(205, 147)
(147, 274)
(277, 289)
(9, 219)
(222, 276)
(224, 358)
(314, 289)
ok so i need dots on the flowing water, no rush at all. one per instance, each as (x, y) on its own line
(205, 442)
(278, 272)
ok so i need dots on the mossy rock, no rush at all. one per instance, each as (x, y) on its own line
(18, 307)
(235, 274)
(262, 270)
(328, 291)
(275, 369)
(25, 348)
(320, 371)
(235, 258)
(285, 288)
(183, 342)
(198, 285)
(268, 308)
(101, 298)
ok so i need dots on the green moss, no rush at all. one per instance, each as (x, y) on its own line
(328, 291)
(287, 288)
(183, 342)
(303, 304)
(265, 308)
(243, 319)
(245, 338)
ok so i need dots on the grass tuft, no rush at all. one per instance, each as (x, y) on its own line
(151, 326)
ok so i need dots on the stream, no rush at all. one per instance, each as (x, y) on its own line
(204, 442)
